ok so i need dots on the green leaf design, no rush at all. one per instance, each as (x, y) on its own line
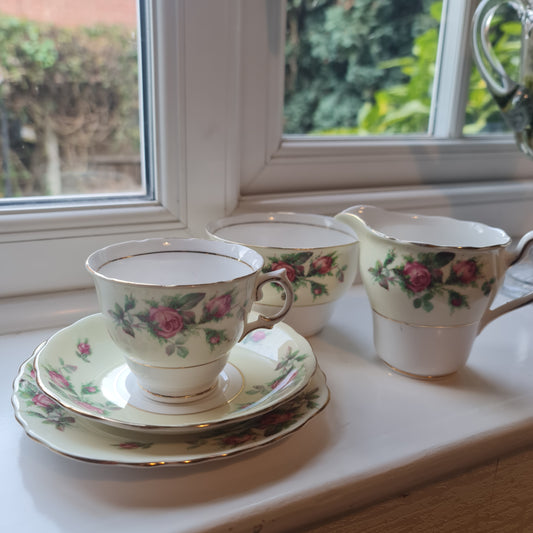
(188, 301)
(129, 303)
(185, 322)
(427, 305)
(487, 286)
(126, 328)
(35, 414)
(389, 258)
(143, 317)
(442, 259)
(306, 266)
(318, 289)
(422, 279)
(283, 368)
(296, 259)
(182, 352)
(118, 313)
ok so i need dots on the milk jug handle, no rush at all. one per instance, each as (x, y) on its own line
(521, 250)
(498, 82)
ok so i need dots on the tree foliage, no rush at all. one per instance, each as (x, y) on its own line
(366, 67)
(336, 52)
(360, 67)
(75, 86)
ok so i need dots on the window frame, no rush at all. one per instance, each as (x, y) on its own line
(483, 176)
(218, 149)
(44, 248)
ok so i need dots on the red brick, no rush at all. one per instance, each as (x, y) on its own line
(74, 13)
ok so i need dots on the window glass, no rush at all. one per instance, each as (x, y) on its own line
(360, 67)
(69, 99)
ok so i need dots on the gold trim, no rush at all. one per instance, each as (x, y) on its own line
(467, 325)
(160, 429)
(212, 229)
(446, 246)
(98, 274)
(199, 426)
(219, 455)
(184, 396)
(479, 249)
(421, 377)
(148, 464)
(127, 356)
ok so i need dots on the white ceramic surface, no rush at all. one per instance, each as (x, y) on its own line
(421, 351)
(361, 449)
(90, 378)
(176, 307)
(178, 268)
(430, 281)
(74, 436)
(319, 254)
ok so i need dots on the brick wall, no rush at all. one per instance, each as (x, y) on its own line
(73, 13)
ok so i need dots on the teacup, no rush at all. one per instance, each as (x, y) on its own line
(176, 307)
(430, 281)
(319, 254)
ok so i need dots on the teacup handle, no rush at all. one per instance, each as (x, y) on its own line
(279, 277)
(521, 250)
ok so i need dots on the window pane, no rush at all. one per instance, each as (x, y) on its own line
(69, 98)
(482, 114)
(360, 67)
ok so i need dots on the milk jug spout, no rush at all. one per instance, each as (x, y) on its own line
(355, 218)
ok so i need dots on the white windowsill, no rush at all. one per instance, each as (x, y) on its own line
(506, 204)
(381, 435)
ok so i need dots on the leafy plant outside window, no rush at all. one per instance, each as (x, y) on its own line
(349, 73)
(66, 96)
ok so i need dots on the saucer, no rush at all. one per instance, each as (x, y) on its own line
(77, 437)
(82, 369)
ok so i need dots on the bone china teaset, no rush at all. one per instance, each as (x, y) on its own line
(199, 349)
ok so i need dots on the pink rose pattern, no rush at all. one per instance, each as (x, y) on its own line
(83, 350)
(305, 269)
(174, 318)
(42, 400)
(465, 271)
(39, 405)
(269, 424)
(166, 321)
(294, 271)
(58, 380)
(219, 306)
(87, 397)
(432, 274)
